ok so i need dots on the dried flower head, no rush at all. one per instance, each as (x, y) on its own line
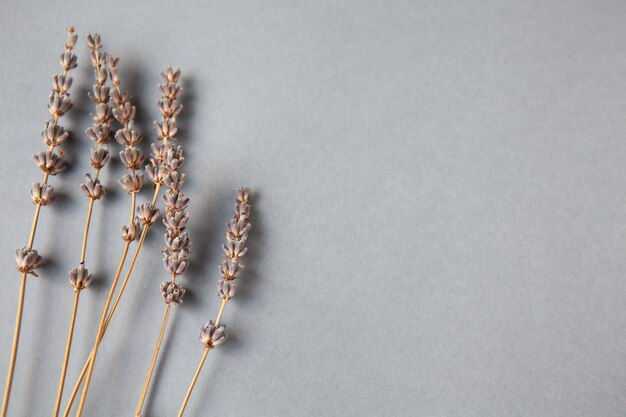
(169, 108)
(234, 249)
(171, 76)
(99, 94)
(226, 289)
(237, 229)
(53, 135)
(230, 270)
(99, 158)
(92, 188)
(178, 243)
(28, 260)
(61, 84)
(148, 214)
(156, 172)
(213, 336)
(174, 158)
(166, 129)
(131, 232)
(127, 137)
(58, 105)
(99, 133)
(175, 180)
(243, 193)
(242, 211)
(49, 162)
(170, 90)
(80, 278)
(175, 200)
(132, 183)
(172, 293)
(176, 263)
(132, 158)
(175, 221)
(42, 195)
(124, 113)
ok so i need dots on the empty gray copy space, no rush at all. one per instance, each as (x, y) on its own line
(439, 207)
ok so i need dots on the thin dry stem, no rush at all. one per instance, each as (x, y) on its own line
(193, 382)
(66, 65)
(66, 357)
(155, 354)
(99, 333)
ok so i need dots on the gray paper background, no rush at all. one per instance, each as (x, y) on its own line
(439, 207)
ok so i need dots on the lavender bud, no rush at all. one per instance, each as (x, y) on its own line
(42, 194)
(242, 211)
(131, 232)
(27, 260)
(124, 113)
(176, 263)
(169, 108)
(172, 294)
(226, 289)
(72, 38)
(175, 180)
(61, 84)
(212, 336)
(165, 129)
(127, 137)
(156, 173)
(175, 200)
(99, 133)
(230, 270)
(234, 249)
(53, 135)
(132, 183)
(80, 278)
(132, 158)
(243, 193)
(237, 229)
(49, 162)
(174, 158)
(67, 61)
(158, 152)
(175, 221)
(170, 91)
(170, 75)
(148, 214)
(99, 158)
(92, 188)
(93, 41)
(59, 105)
(102, 116)
(177, 243)
(100, 94)
(119, 98)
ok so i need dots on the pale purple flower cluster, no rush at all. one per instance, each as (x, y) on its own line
(131, 156)
(100, 131)
(237, 230)
(51, 161)
(212, 335)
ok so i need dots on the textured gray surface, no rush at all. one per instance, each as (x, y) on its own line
(439, 221)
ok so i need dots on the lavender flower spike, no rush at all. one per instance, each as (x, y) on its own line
(213, 336)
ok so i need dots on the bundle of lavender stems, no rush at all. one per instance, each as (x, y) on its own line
(113, 109)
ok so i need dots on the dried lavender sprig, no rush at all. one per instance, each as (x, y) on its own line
(131, 156)
(100, 133)
(158, 171)
(51, 163)
(212, 333)
(177, 243)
